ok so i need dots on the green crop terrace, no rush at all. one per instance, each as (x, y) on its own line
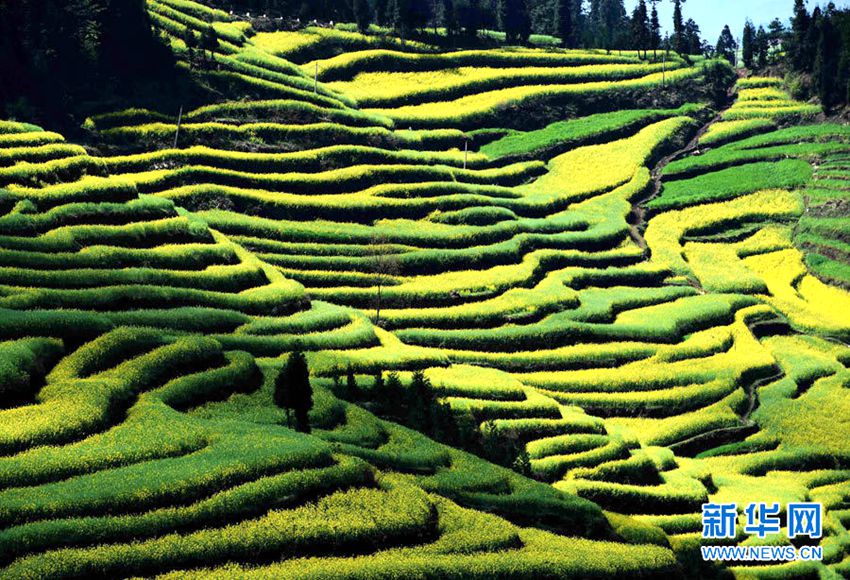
(644, 297)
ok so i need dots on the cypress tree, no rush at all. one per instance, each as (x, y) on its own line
(776, 30)
(594, 19)
(400, 17)
(654, 29)
(524, 21)
(826, 67)
(608, 24)
(394, 395)
(813, 36)
(450, 22)
(640, 27)
(352, 392)
(378, 387)
(294, 392)
(515, 20)
(381, 8)
(843, 80)
(362, 15)
(191, 42)
(394, 19)
(445, 426)
(566, 28)
(800, 24)
(420, 13)
(748, 44)
(819, 73)
(678, 27)
(469, 16)
(209, 39)
(726, 45)
(419, 399)
(762, 48)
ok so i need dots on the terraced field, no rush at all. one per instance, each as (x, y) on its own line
(642, 299)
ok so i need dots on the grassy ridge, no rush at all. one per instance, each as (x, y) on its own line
(598, 375)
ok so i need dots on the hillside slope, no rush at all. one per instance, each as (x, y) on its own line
(533, 229)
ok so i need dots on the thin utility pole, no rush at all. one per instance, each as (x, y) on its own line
(465, 151)
(179, 120)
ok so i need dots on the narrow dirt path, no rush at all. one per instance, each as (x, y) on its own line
(637, 224)
(691, 446)
(637, 217)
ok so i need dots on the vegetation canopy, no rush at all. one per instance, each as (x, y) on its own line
(408, 289)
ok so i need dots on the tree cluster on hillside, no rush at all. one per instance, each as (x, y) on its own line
(686, 37)
(814, 51)
(606, 24)
(578, 23)
(64, 49)
(818, 54)
(415, 405)
(755, 45)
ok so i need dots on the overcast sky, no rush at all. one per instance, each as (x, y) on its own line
(711, 15)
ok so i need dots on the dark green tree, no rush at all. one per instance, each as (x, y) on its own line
(594, 21)
(798, 45)
(515, 21)
(378, 386)
(608, 24)
(394, 394)
(352, 391)
(421, 13)
(362, 15)
(209, 42)
(762, 48)
(810, 44)
(395, 15)
(726, 46)
(450, 19)
(294, 392)
(616, 24)
(470, 17)
(692, 40)
(503, 448)
(419, 401)
(190, 39)
(718, 78)
(400, 17)
(566, 26)
(191, 42)
(748, 44)
(380, 10)
(640, 28)
(825, 71)
(678, 27)
(56, 53)
(443, 425)
(776, 30)
(654, 29)
(126, 42)
(843, 81)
